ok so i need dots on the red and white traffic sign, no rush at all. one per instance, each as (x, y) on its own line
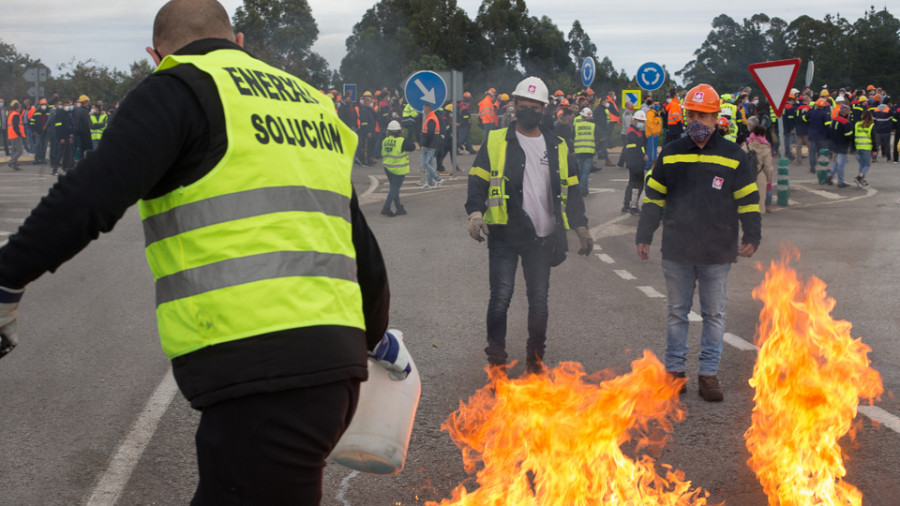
(775, 78)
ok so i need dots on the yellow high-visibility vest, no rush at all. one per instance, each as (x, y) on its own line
(584, 136)
(263, 242)
(396, 161)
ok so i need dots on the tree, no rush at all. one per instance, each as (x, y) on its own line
(12, 66)
(876, 51)
(546, 54)
(281, 33)
(504, 23)
(580, 44)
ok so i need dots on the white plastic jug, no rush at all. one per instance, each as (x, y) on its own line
(378, 437)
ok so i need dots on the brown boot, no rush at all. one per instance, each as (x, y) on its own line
(768, 209)
(710, 389)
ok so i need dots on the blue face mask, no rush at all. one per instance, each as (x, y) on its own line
(656, 107)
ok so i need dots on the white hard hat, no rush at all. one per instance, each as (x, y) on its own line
(640, 116)
(587, 113)
(839, 99)
(532, 88)
(794, 91)
(394, 126)
(726, 112)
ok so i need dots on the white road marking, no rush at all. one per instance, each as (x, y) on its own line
(345, 485)
(881, 416)
(601, 190)
(625, 275)
(113, 481)
(373, 183)
(651, 292)
(822, 193)
(11, 220)
(739, 343)
(694, 317)
(606, 258)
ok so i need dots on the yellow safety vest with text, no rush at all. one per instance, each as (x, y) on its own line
(263, 242)
(396, 161)
(584, 136)
(496, 213)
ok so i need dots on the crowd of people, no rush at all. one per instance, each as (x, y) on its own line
(67, 128)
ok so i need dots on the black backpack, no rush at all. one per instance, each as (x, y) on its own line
(754, 161)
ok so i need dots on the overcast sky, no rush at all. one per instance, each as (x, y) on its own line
(115, 32)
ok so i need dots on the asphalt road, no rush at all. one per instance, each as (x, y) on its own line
(88, 365)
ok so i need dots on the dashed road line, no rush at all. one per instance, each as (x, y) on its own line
(881, 416)
(605, 258)
(651, 292)
(739, 343)
(625, 274)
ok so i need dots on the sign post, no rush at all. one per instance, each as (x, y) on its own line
(650, 76)
(775, 78)
(588, 71)
(35, 75)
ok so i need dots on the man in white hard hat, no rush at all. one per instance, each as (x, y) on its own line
(395, 156)
(587, 138)
(634, 158)
(524, 207)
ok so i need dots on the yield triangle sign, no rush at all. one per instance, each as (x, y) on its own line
(775, 79)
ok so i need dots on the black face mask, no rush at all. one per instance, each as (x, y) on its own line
(528, 118)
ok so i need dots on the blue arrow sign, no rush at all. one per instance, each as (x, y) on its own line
(650, 76)
(350, 90)
(425, 87)
(588, 71)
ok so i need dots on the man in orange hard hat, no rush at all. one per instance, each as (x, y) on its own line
(706, 186)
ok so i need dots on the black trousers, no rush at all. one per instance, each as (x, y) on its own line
(270, 448)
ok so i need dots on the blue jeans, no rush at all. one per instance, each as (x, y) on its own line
(503, 261)
(840, 159)
(393, 196)
(814, 146)
(680, 282)
(865, 160)
(428, 164)
(584, 171)
(652, 144)
(464, 140)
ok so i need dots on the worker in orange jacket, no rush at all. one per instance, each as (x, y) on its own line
(487, 114)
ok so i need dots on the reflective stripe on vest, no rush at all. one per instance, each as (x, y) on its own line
(673, 110)
(263, 242)
(863, 136)
(584, 136)
(98, 125)
(496, 213)
(396, 161)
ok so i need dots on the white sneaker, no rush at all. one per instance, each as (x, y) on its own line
(427, 186)
(438, 183)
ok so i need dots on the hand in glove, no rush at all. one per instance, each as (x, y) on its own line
(587, 242)
(9, 300)
(391, 354)
(477, 225)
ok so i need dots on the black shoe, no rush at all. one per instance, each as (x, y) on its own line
(678, 375)
(534, 366)
(859, 181)
(625, 208)
(400, 211)
(829, 182)
(710, 389)
(635, 211)
(388, 213)
(842, 185)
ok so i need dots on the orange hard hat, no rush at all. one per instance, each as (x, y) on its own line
(870, 87)
(467, 95)
(492, 90)
(822, 102)
(559, 93)
(877, 97)
(702, 98)
(590, 91)
(564, 102)
(43, 101)
(722, 122)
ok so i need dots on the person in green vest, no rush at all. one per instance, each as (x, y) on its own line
(395, 156)
(271, 291)
(99, 120)
(519, 198)
(864, 138)
(587, 138)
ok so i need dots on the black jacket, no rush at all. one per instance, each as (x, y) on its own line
(841, 135)
(169, 132)
(701, 208)
(519, 225)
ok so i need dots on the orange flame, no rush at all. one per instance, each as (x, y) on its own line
(556, 438)
(809, 377)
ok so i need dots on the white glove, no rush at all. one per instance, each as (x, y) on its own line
(477, 225)
(391, 354)
(9, 300)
